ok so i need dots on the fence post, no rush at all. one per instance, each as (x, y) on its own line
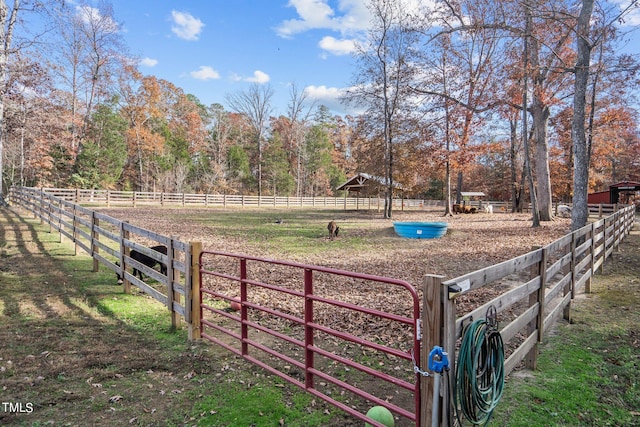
(95, 237)
(41, 207)
(195, 248)
(431, 336)
(616, 227)
(172, 294)
(566, 312)
(49, 210)
(542, 294)
(536, 270)
(60, 226)
(124, 250)
(449, 345)
(604, 245)
(587, 286)
(74, 231)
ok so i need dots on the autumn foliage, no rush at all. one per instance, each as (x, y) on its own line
(456, 122)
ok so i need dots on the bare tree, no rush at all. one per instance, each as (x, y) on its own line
(255, 105)
(298, 114)
(103, 51)
(8, 20)
(463, 84)
(383, 77)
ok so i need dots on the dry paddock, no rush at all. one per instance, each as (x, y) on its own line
(366, 244)
(473, 241)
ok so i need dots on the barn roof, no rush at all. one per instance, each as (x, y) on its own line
(626, 185)
(361, 180)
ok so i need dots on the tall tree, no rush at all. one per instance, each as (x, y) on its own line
(586, 41)
(255, 105)
(463, 85)
(383, 77)
(8, 20)
(298, 115)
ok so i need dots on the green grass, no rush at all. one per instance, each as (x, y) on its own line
(240, 404)
(588, 371)
(297, 232)
(84, 353)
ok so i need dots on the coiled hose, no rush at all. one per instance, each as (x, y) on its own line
(479, 372)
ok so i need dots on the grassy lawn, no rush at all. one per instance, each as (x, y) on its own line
(77, 351)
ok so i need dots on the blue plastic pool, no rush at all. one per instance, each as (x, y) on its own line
(420, 230)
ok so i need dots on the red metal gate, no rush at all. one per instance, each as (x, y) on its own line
(348, 338)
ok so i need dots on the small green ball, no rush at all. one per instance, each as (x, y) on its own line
(381, 415)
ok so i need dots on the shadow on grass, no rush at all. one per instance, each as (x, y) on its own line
(76, 350)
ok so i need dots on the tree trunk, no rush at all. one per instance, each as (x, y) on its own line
(447, 179)
(525, 114)
(540, 115)
(580, 211)
(513, 139)
(459, 192)
(6, 33)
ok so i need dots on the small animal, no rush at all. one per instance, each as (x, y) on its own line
(333, 230)
(564, 211)
(488, 209)
(147, 260)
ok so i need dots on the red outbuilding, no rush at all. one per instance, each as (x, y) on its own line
(627, 192)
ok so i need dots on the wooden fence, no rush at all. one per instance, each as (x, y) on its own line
(536, 288)
(140, 198)
(113, 198)
(109, 242)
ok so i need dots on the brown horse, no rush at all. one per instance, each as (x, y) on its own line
(333, 230)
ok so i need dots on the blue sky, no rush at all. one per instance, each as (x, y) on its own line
(212, 48)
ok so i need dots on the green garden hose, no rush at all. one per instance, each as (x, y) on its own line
(479, 372)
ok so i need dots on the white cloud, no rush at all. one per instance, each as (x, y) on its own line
(186, 26)
(331, 98)
(205, 73)
(337, 47)
(317, 14)
(258, 77)
(149, 62)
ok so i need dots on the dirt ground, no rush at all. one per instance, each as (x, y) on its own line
(68, 340)
(473, 241)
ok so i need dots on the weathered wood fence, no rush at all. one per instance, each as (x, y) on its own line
(109, 242)
(114, 198)
(140, 198)
(536, 288)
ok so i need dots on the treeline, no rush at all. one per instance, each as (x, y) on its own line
(82, 115)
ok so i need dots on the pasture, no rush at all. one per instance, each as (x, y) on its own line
(366, 243)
